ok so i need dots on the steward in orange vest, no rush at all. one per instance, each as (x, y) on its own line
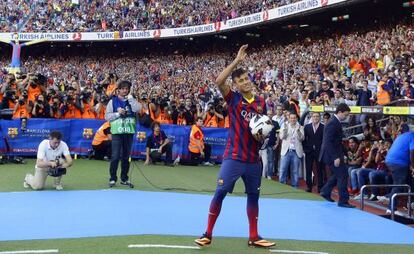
(199, 151)
(101, 143)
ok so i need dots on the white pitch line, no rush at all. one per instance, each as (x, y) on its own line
(28, 251)
(162, 246)
(298, 251)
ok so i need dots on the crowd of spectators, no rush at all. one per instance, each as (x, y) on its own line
(110, 15)
(358, 68)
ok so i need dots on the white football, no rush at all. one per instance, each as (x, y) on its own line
(261, 124)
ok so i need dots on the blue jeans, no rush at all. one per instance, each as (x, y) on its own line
(379, 177)
(400, 175)
(290, 161)
(354, 178)
(362, 174)
(350, 168)
(270, 162)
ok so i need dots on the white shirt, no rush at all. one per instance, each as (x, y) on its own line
(46, 153)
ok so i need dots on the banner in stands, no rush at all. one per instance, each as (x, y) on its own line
(78, 134)
(264, 16)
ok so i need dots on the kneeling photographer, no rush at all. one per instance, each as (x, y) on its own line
(53, 158)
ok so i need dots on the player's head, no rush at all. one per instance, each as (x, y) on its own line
(199, 121)
(54, 139)
(242, 81)
(342, 111)
(123, 88)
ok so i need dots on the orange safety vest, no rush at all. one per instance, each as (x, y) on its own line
(101, 113)
(32, 93)
(162, 117)
(110, 88)
(181, 121)
(383, 97)
(72, 112)
(194, 140)
(21, 112)
(87, 113)
(100, 135)
(211, 121)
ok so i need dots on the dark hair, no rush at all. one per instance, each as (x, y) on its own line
(342, 107)
(55, 135)
(124, 83)
(237, 73)
(199, 118)
(155, 124)
(353, 139)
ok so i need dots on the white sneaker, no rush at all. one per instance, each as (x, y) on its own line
(383, 199)
(177, 161)
(396, 213)
(58, 186)
(358, 197)
(207, 163)
(25, 184)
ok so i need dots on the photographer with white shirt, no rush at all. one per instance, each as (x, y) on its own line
(53, 158)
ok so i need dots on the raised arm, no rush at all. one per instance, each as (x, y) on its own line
(221, 79)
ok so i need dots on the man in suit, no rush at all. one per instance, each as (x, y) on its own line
(312, 147)
(292, 136)
(333, 156)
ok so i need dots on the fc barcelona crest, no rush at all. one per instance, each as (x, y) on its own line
(87, 133)
(12, 132)
(141, 136)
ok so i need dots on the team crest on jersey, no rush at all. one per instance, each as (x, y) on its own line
(87, 133)
(220, 182)
(141, 136)
(12, 132)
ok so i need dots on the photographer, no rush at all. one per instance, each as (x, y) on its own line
(159, 110)
(144, 117)
(53, 158)
(121, 113)
(54, 106)
(9, 100)
(41, 108)
(33, 87)
(70, 107)
(211, 117)
(110, 84)
(22, 107)
(179, 115)
(86, 104)
(100, 106)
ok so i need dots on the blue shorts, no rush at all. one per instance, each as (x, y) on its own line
(232, 170)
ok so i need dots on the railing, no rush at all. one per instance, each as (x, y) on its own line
(409, 194)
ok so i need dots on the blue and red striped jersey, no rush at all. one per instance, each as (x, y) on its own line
(241, 145)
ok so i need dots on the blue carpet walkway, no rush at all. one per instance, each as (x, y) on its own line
(74, 214)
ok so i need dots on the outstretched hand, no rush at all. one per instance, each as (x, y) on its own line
(241, 55)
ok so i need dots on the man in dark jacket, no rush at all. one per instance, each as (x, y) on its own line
(312, 147)
(333, 156)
